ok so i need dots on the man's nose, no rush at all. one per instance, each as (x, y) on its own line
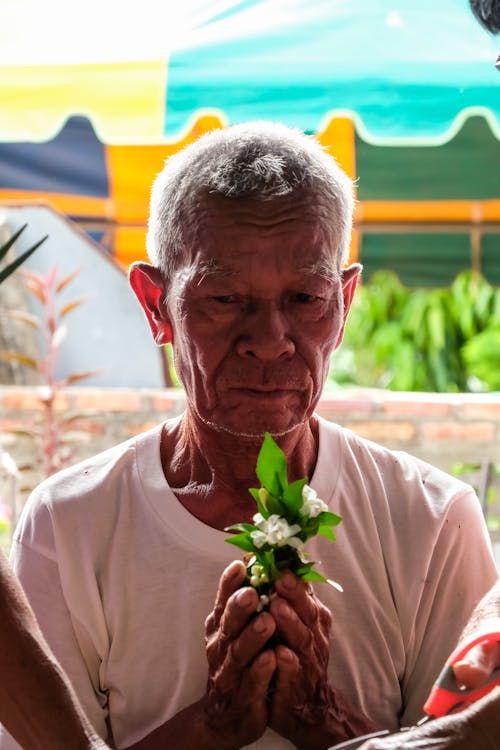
(266, 335)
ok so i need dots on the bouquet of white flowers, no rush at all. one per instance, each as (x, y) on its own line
(288, 515)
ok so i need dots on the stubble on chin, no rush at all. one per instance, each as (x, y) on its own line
(253, 429)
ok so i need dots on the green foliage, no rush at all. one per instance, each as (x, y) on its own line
(288, 515)
(444, 340)
(5, 531)
(172, 379)
(469, 472)
(4, 249)
(481, 355)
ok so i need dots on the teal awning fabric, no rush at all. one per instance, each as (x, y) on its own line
(402, 70)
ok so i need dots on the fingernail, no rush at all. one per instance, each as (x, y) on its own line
(259, 625)
(243, 597)
(289, 581)
(233, 570)
(283, 609)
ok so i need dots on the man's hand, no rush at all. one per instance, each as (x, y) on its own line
(304, 707)
(240, 668)
(475, 728)
(477, 665)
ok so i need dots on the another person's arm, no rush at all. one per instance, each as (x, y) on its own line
(481, 660)
(37, 705)
(475, 728)
(479, 725)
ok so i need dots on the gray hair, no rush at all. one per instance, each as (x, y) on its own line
(260, 160)
(487, 13)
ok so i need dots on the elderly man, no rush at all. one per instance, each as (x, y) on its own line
(37, 703)
(121, 555)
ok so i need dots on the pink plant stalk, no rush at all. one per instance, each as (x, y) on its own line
(46, 289)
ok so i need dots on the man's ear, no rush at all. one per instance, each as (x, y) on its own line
(147, 283)
(350, 277)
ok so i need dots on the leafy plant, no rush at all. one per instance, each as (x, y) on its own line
(46, 289)
(443, 340)
(171, 377)
(8, 468)
(469, 472)
(288, 516)
(481, 355)
(4, 249)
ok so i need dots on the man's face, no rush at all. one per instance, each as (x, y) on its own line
(256, 308)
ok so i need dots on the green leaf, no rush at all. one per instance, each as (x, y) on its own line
(328, 518)
(242, 541)
(327, 532)
(240, 527)
(271, 466)
(313, 575)
(304, 568)
(260, 505)
(275, 506)
(5, 272)
(4, 249)
(292, 495)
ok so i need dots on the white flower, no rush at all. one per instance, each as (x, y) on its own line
(312, 505)
(275, 531)
(258, 575)
(263, 602)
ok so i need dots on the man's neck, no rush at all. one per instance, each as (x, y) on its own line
(210, 471)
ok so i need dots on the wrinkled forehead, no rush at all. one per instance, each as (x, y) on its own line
(225, 232)
(216, 213)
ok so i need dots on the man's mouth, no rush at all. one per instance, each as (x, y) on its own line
(266, 391)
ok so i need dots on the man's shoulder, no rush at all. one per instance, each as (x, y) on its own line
(386, 466)
(93, 474)
(85, 504)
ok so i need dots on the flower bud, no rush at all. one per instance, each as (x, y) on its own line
(264, 496)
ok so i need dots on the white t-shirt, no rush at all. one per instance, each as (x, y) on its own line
(121, 578)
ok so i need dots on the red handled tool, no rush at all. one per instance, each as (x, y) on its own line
(446, 697)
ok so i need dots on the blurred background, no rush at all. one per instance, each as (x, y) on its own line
(404, 95)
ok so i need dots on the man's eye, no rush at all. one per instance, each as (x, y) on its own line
(224, 299)
(304, 299)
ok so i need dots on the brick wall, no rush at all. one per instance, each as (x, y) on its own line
(441, 428)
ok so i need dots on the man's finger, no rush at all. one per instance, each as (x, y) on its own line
(252, 640)
(296, 593)
(291, 629)
(230, 581)
(476, 666)
(288, 668)
(245, 666)
(260, 675)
